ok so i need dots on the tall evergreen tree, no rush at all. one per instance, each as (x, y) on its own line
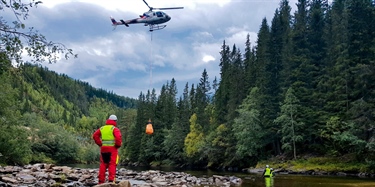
(250, 67)
(307, 69)
(315, 70)
(192, 98)
(149, 147)
(202, 99)
(136, 131)
(165, 116)
(222, 93)
(262, 61)
(336, 83)
(174, 140)
(236, 86)
(290, 126)
(279, 33)
(262, 55)
(171, 104)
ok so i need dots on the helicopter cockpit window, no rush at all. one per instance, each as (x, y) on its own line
(159, 14)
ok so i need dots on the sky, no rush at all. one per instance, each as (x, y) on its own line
(131, 60)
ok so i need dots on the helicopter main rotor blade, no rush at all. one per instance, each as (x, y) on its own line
(170, 8)
(147, 5)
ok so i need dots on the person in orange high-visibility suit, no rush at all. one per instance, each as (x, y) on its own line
(108, 137)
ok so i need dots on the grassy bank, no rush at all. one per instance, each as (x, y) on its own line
(345, 164)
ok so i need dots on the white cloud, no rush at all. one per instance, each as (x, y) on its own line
(239, 38)
(207, 58)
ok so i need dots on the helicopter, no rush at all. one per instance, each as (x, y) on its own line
(151, 18)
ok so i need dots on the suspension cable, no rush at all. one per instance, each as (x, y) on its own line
(151, 59)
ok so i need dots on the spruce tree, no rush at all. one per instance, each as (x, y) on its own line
(236, 86)
(222, 93)
(250, 67)
(202, 100)
(290, 124)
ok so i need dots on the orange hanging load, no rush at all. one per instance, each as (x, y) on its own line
(149, 129)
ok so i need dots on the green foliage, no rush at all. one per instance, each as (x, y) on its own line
(133, 140)
(290, 127)
(14, 143)
(341, 137)
(370, 166)
(41, 158)
(195, 139)
(247, 127)
(222, 93)
(79, 98)
(5, 63)
(55, 142)
(216, 143)
(343, 163)
(173, 146)
(147, 151)
(38, 126)
(88, 153)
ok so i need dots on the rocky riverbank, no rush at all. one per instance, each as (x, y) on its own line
(311, 172)
(46, 175)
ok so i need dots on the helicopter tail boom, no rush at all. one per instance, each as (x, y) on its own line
(115, 23)
(123, 22)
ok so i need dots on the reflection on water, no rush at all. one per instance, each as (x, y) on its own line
(256, 180)
(268, 181)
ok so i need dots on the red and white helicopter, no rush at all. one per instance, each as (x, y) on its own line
(150, 18)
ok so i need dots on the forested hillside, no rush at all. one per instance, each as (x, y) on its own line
(306, 88)
(47, 117)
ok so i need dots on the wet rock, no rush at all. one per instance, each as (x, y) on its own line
(9, 180)
(26, 178)
(341, 174)
(46, 175)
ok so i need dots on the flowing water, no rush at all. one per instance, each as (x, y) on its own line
(256, 180)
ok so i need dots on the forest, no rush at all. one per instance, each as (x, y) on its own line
(305, 88)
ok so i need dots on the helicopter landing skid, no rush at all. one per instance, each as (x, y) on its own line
(156, 27)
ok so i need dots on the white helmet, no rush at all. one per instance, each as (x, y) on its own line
(113, 117)
(267, 166)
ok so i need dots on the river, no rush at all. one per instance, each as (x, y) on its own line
(256, 180)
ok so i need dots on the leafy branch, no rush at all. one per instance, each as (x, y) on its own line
(15, 43)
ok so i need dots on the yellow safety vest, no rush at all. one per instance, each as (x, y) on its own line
(107, 135)
(267, 173)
